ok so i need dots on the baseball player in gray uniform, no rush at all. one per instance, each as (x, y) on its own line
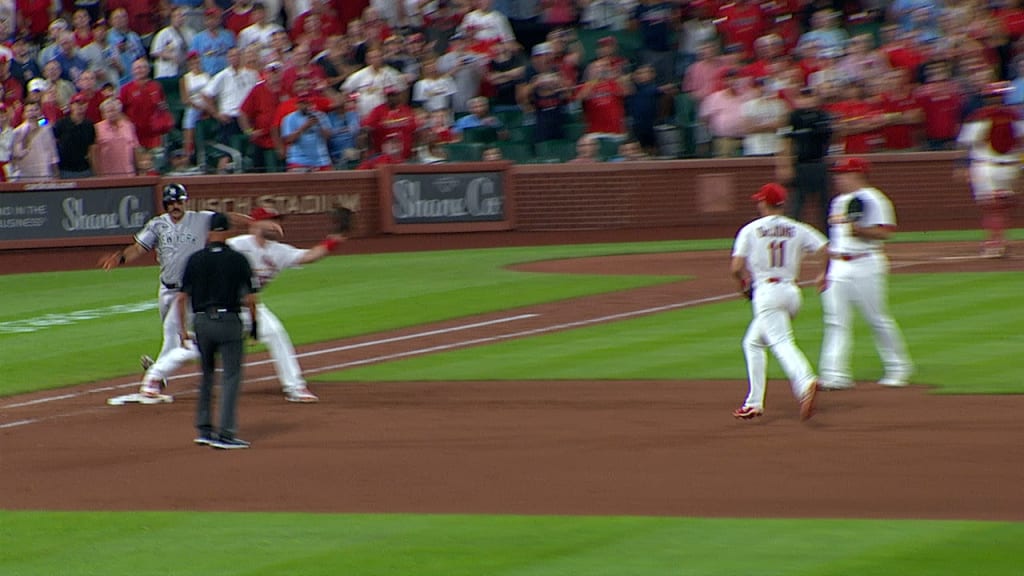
(268, 258)
(766, 261)
(860, 219)
(175, 235)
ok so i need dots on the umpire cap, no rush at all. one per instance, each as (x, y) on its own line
(219, 222)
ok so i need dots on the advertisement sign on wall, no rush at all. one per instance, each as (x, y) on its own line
(67, 213)
(450, 197)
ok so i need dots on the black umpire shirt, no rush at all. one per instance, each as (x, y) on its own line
(812, 133)
(217, 278)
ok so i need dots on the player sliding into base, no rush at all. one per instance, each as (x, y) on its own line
(766, 260)
(268, 257)
(175, 235)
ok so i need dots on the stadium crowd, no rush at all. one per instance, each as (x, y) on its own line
(124, 87)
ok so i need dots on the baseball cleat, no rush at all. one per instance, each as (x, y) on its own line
(807, 403)
(301, 395)
(893, 382)
(747, 412)
(146, 361)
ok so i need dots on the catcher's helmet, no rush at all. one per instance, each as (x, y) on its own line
(174, 193)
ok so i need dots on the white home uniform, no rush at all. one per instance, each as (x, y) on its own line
(774, 247)
(174, 244)
(858, 276)
(267, 262)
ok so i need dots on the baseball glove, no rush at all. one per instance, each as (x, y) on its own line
(855, 210)
(747, 290)
(342, 218)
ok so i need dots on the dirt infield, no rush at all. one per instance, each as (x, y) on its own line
(591, 447)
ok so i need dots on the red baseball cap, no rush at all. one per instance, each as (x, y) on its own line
(79, 98)
(772, 193)
(264, 213)
(852, 164)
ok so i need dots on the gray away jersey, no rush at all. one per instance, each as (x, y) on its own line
(174, 243)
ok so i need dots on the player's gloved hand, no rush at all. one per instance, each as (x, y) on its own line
(253, 332)
(747, 289)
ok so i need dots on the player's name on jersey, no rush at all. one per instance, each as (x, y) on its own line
(776, 231)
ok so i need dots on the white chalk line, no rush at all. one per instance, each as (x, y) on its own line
(410, 353)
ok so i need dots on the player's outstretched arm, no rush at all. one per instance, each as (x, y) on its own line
(321, 250)
(123, 256)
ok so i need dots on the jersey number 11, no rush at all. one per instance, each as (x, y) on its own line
(777, 253)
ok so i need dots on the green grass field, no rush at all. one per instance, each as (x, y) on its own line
(963, 331)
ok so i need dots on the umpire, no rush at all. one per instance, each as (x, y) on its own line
(218, 280)
(802, 162)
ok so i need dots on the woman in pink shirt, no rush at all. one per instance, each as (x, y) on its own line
(117, 145)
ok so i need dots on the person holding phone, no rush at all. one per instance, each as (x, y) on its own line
(34, 151)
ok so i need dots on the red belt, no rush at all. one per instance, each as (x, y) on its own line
(775, 280)
(848, 257)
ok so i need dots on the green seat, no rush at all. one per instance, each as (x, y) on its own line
(172, 92)
(574, 130)
(556, 150)
(464, 151)
(517, 152)
(510, 118)
(608, 148)
(480, 135)
(686, 120)
(522, 134)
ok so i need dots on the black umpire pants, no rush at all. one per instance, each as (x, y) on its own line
(810, 180)
(219, 332)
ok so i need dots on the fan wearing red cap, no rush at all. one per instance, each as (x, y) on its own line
(268, 257)
(766, 261)
(860, 219)
(994, 139)
(393, 118)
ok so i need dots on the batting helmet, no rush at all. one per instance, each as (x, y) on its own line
(174, 193)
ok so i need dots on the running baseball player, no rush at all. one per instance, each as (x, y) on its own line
(175, 235)
(992, 136)
(861, 219)
(268, 258)
(766, 259)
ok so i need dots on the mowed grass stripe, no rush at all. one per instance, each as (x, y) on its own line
(152, 543)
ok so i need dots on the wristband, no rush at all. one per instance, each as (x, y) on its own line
(122, 259)
(329, 244)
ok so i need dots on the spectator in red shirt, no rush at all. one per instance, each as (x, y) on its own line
(239, 16)
(86, 85)
(858, 121)
(142, 99)
(391, 153)
(34, 16)
(900, 50)
(603, 99)
(143, 15)
(329, 23)
(256, 116)
(394, 117)
(741, 22)
(904, 116)
(942, 102)
(312, 34)
(82, 26)
(300, 65)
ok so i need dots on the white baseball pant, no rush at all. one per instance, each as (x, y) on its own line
(272, 334)
(172, 356)
(775, 305)
(861, 283)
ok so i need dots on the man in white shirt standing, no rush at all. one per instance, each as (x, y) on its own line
(170, 45)
(763, 115)
(226, 92)
(485, 24)
(766, 260)
(369, 82)
(260, 31)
